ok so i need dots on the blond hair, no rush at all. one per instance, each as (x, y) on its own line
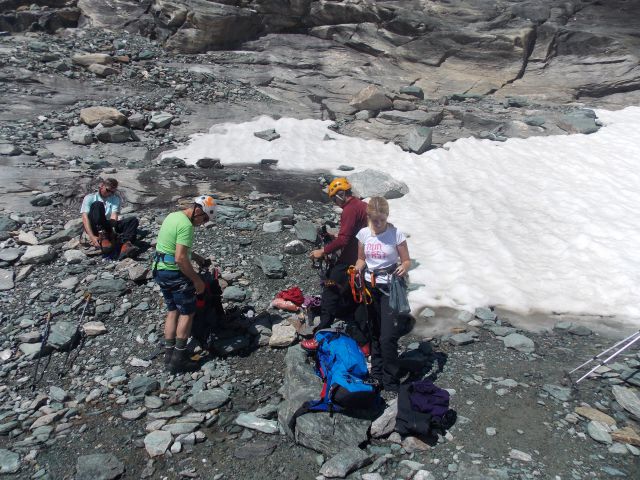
(377, 206)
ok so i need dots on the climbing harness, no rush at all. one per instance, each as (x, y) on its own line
(359, 290)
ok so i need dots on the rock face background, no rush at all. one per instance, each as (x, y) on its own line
(551, 50)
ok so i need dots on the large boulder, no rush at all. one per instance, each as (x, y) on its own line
(374, 183)
(106, 116)
(205, 25)
(371, 98)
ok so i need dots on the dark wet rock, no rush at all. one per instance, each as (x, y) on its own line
(141, 385)
(208, 399)
(208, 163)
(116, 134)
(99, 466)
(268, 135)
(374, 183)
(108, 287)
(271, 265)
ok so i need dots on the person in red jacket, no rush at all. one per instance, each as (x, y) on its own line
(345, 245)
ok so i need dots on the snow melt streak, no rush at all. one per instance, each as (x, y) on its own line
(546, 223)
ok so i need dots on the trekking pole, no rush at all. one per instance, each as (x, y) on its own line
(83, 337)
(43, 343)
(595, 357)
(615, 354)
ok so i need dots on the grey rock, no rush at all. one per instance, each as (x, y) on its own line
(80, 135)
(180, 428)
(413, 91)
(295, 247)
(254, 450)
(99, 466)
(371, 98)
(6, 279)
(137, 121)
(227, 346)
(345, 462)
(306, 230)
(464, 338)
(385, 423)
(233, 293)
(599, 432)
(231, 213)
(519, 342)
(102, 70)
(9, 255)
(208, 399)
(374, 183)
(209, 163)
(561, 393)
(157, 442)
(471, 471)
(173, 162)
(74, 256)
(271, 266)
(9, 461)
(37, 254)
(7, 224)
(285, 215)
(57, 394)
(9, 149)
(272, 227)
(282, 335)
(153, 402)
(578, 123)
(141, 385)
(419, 139)
(250, 421)
(580, 330)
(501, 331)
(42, 200)
(62, 335)
(268, 135)
(628, 399)
(116, 134)
(160, 119)
(245, 225)
(419, 117)
(485, 314)
(108, 287)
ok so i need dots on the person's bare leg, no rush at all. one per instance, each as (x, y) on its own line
(183, 329)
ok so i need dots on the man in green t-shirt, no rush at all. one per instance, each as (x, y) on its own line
(178, 281)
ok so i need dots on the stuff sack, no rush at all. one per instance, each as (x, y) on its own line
(209, 311)
(398, 301)
(423, 410)
(346, 384)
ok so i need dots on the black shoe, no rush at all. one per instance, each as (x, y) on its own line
(181, 363)
(168, 355)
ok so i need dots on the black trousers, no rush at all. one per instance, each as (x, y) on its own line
(125, 229)
(383, 323)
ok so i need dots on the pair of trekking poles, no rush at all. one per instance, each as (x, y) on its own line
(621, 346)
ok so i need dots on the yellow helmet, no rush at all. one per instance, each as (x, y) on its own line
(340, 184)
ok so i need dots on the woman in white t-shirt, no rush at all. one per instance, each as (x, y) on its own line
(383, 250)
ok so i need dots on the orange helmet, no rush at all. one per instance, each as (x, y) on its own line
(340, 184)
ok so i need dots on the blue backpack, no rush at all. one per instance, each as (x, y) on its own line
(345, 377)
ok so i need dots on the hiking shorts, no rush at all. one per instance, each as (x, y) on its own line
(177, 290)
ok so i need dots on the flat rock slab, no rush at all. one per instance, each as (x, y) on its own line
(254, 450)
(37, 254)
(345, 462)
(268, 135)
(561, 393)
(250, 421)
(9, 461)
(208, 399)
(108, 287)
(306, 230)
(599, 432)
(628, 399)
(99, 466)
(157, 442)
(597, 415)
(6, 279)
(519, 342)
(271, 265)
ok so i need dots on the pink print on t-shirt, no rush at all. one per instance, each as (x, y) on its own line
(374, 250)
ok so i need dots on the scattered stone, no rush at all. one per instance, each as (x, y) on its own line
(62, 335)
(519, 342)
(108, 287)
(248, 420)
(413, 91)
(385, 423)
(345, 462)
(561, 393)
(134, 414)
(599, 432)
(419, 139)
(597, 415)
(578, 122)
(208, 399)
(116, 134)
(580, 330)
(70, 283)
(306, 231)
(414, 444)
(87, 59)
(37, 254)
(74, 256)
(519, 455)
(99, 466)
(141, 385)
(626, 435)
(485, 314)
(57, 394)
(6, 279)
(271, 266)
(295, 247)
(209, 163)
(234, 294)
(94, 328)
(371, 98)
(272, 227)
(254, 450)
(627, 399)
(102, 70)
(9, 149)
(9, 461)
(282, 335)
(461, 339)
(374, 183)
(157, 442)
(268, 135)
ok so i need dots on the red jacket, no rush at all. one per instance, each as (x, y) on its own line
(352, 220)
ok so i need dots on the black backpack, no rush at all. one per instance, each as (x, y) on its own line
(209, 314)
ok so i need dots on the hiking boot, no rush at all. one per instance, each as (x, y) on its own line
(128, 250)
(310, 345)
(181, 363)
(168, 354)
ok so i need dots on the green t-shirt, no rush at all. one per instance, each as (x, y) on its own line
(176, 228)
